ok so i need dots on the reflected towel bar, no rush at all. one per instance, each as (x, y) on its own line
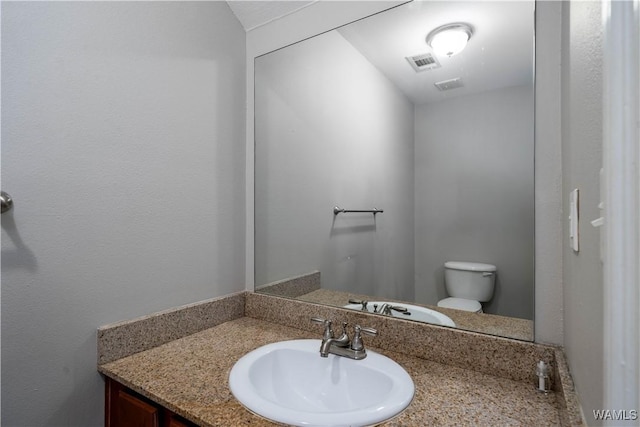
(337, 210)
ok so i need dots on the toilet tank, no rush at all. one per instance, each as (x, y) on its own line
(469, 280)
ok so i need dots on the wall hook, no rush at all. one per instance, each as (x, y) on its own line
(6, 202)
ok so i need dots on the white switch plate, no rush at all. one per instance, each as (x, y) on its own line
(574, 208)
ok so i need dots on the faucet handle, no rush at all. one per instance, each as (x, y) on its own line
(366, 330)
(328, 331)
(357, 301)
(356, 343)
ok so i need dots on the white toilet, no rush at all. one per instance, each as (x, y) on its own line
(468, 284)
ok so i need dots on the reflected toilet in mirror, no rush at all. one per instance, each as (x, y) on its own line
(468, 284)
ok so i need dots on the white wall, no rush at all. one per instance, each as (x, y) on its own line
(333, 131)
(317, 18)
(474, 194)
(581, 162)
(123, 147)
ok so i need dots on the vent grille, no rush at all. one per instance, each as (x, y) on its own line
(449, 84)
(423, 62)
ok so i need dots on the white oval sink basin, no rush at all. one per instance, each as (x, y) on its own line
(421, 314)
(289, 382)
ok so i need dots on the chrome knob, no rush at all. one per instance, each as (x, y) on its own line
(357, 301)
(356, 343)
(328, 331)
(6, 202)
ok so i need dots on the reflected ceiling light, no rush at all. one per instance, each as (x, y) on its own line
(449, 39)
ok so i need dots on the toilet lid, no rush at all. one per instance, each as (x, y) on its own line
(469, 266)
(461, 304)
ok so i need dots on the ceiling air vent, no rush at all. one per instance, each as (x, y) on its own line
(423, 62)
(449, 84)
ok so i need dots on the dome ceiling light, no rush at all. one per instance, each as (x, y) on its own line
(449, 39)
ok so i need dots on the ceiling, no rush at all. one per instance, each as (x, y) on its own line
(499, 54)
(252, 14)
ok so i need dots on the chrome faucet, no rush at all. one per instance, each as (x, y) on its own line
(385, 309)
(343, 346)
(342, 341)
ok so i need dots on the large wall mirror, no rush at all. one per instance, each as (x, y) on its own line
(370, 115)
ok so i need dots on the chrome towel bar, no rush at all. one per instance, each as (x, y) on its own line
(338, 210)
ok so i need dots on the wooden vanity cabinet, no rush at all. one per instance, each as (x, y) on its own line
(126, 408)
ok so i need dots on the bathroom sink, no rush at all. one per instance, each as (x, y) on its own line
(421, 314)
(289, 382)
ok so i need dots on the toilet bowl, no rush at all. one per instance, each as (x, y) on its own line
(468, 284)
(461, 304)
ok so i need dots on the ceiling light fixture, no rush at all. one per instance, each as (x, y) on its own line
(449, 39)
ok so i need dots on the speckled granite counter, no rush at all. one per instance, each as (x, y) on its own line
(190, 377)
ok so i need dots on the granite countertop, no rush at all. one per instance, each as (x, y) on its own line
(190, 377)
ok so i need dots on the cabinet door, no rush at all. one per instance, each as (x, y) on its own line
(124, 409)
(176, 422)
(133, 412)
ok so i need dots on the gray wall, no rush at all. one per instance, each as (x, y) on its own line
(474, 194)
(581, 162)
(123, 147)
(304, 23)
(549, 326)
(332, 130)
